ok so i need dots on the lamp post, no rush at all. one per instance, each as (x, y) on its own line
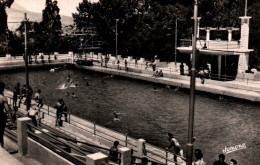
(192, 88)
(7, 41)
(116, 36)
(26, 62)
(175, 50)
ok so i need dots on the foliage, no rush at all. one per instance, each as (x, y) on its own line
(3, 16)
(51, 26)
(145, 28)
(3, 25)
(139, 31)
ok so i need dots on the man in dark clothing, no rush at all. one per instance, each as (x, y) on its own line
(113, 153)
(221, 160)
(14, 98)
(17, 89)
(4, 110)
(61, 109)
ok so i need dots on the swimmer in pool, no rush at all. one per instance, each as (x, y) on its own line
(116, 119)
(73, 95)
(116, 116)
(221, 98)
(68, 79)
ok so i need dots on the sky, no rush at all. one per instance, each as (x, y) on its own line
(66, 6)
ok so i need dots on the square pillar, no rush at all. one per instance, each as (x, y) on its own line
(219, 66)
(244, 32)
(229, 35)
(243, 62)
(207, 34)
(99, 55)
(141, 150)
(71, 56)
(22, 135)
(125, 155)
(97, 159)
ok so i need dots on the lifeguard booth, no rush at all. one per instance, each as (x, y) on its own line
(218, 49)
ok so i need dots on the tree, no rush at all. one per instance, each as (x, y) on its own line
(254, 38)
(3, 16)
(51, 26)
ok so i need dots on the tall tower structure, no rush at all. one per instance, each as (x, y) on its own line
(244, 39)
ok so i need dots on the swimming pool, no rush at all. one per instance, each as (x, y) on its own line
(149, 114)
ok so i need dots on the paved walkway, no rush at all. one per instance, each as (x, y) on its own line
(238, 89)
(14, 159)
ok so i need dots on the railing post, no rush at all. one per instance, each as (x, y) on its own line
(94, 128)
(141, 147)
(126, 139)
(166, 160)
(69, 118)
(97, 159)
(125, 156)
(22, 135)
(48, 110)
(170, 70)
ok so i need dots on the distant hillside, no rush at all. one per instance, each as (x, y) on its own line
(16, 14)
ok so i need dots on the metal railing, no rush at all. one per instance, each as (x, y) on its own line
(54, 147)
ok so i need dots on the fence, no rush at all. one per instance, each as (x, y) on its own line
(153, 153)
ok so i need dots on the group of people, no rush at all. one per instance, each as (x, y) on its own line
(180, 160)
(33, 113)
(21, 94)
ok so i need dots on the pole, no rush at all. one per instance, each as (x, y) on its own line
(7, 40)
(246, 8)
(192, 89)
(26, 62)
(175, 51)
(116, 37)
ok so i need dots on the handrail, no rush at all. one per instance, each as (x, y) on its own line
(77, 141)
(55, 138)
(10, 134)
(56, 149)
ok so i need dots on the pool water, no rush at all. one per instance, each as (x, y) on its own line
(149, 114)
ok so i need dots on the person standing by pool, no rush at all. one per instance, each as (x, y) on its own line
(59, 107)
(32, 113)
(4, 110)
(221, 160)
(118, 62)
(22, 95)
(113, 152)
(38, 99)
(15, 96)
(125, 64)
(17, 89)
(198, 158)
(177, 148)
